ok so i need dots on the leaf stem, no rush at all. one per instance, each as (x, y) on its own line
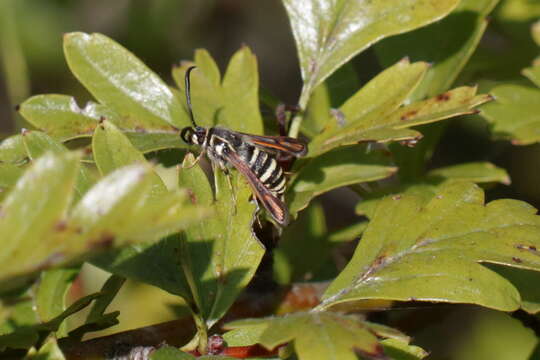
(302, 103)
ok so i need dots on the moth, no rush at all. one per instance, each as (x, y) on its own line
(254, 156)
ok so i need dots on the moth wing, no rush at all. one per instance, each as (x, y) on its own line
(275, 207)
(275, 144)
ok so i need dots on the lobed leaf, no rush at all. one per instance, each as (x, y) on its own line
(452, 42)
(314, 336)
(433, 250)
(220, 254)
(344, 166)
(232, 102)
(329, 33)
(514, 115)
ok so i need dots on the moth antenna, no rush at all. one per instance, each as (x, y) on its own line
(188, 95)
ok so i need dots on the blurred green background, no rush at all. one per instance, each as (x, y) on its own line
(164, 32)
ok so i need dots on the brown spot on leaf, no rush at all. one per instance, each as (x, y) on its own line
(530, 248)
(396, 197)
(192, 196)
(409, 115)
(17, 107)
(104, 242)
(60, 226)
(517, 260)
(140, 129)
(443, 97)
(102, 119)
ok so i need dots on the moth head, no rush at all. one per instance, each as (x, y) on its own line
(193, 135)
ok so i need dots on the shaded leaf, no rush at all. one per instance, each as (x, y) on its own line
(220, 254)
(48, 351)
(232, 102)
(9, 174)
(526, 282)
(51, 294)
(483, 340)
(172, 353)
(478, 172)
(315, 336)
(514, 114)
(341, 167)
(329, 33)
(122, 82)
(433, 249)
(298, 258)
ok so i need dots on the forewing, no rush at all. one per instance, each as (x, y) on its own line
(276, 144)
(271, 203)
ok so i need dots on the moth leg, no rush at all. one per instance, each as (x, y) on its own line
(228, 176)
(196, 161)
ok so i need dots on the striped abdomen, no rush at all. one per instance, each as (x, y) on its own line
(266, 168)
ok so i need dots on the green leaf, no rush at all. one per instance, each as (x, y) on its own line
(51, 294)
(525, 281)
(221, 253)
(122, 82)
(514, 114)
(299, 258)
(12, 150)
(9, 174)
(172, 353)
(477, 172)
(533, 74)
(30, 214)
(374, 126)
(400, 350)
(48, 351)
(482, 339)
(328, 34)
(61, 118)
(232, 102)
(452, 42)
(38, 143)
(112, 150)
(324, 335)
(433, 249)
(344, 166)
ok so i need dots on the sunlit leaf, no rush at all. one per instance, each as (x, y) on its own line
(112, 150)
(461, 31)
(433, 249)
(12, 150)
(232, 102)
(61, 117)
(394, 125)
(30, 214)
(221, 253)
(329, 33)
(121, 81)
(37, 143)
